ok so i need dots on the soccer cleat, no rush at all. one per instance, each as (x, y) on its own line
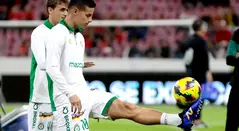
(189, 115)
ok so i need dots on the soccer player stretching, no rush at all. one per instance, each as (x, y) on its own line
(70, 94)
(39, 113)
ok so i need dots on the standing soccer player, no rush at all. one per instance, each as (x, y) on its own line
(198, 62)
(40, 114)
(70, 95)
(232, 59)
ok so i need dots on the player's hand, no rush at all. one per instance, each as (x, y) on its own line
(209, 76)
(89, 64)
(237, 55)
(75, 104)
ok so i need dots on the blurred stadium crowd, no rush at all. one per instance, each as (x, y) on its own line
(164, 42)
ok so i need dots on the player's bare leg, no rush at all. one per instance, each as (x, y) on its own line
(124, 110)
(141, 115)
(146, 116)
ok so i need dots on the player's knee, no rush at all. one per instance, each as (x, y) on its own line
(125, 110)
(129, 110)
(133, 111)
(129, 106)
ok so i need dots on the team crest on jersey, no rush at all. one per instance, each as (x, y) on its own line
(41, 126)
(70, 41)
(76, 127)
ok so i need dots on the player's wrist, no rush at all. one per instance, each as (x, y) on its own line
(70, 94)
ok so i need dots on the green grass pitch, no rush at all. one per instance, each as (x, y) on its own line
(214, 116)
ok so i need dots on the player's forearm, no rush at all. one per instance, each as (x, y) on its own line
(59, 80)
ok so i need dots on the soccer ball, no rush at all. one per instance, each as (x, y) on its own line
(186, 91)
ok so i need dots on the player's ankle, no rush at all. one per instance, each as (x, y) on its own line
(170, 119)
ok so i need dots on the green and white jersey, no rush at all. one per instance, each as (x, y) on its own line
(65, 59)
(38, 79)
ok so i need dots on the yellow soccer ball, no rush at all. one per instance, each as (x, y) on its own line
(186, 91)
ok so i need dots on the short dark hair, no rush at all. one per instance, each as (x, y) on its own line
(81, 4)
(54, 3)
(197, 25)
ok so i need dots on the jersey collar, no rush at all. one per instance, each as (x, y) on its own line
(79, 30)
(48, 24)
(69, 27)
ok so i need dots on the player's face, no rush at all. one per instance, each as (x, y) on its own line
(59, 12)
(204, 28)
(84, 17)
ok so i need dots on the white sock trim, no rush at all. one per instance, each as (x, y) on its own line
(170, 119)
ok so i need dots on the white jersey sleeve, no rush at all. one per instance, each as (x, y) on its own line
(38, 49)
(55, 45)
